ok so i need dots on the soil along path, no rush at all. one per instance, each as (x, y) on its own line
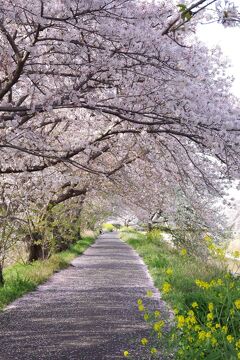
(86, 312)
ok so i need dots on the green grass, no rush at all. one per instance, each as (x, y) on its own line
(208, 314)
(158, 256)
(22, 278)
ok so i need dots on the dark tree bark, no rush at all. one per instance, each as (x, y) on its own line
(150, 226)
(1, 275)
(36, 250)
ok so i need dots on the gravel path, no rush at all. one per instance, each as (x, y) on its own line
(86, 312)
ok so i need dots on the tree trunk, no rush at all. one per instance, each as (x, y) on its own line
(1, 275)
(150, 226)
(35, 252)
(36, 249)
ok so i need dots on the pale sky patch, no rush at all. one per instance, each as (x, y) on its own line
(229, 41)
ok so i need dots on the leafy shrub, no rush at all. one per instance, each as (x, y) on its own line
(108, 227)
(155, 236)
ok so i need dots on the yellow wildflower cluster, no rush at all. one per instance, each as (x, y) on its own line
(153, 350)
(215, 250)
(195, 305)
(237, 304)
(209, 325)
(144, 341)
(201, 334)
(157, 326)
(169, 271)
(166, 288)
(210, 307)
(180, 321)
(207, 285)
(146, 317)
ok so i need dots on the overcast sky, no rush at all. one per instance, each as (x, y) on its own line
(229, 40)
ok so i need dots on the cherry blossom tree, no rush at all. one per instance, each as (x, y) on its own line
(112, 94)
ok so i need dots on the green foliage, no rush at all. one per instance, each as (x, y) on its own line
(155, 236)
(127, 229)
(185, 13)
(205, 298)
(56, 228)
(22, 278)
(108, 227)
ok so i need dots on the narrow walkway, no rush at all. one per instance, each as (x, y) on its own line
(86, 312)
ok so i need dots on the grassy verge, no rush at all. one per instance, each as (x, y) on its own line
(22, 278)
(159, 257)
(205, 299)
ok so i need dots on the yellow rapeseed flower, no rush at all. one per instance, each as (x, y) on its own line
(169, 271)
(212, 283)
(146, 317)
(183, 252)
(230, 338)
(214, 341)
(197, 328)
(141, 307)
(210, 307)
(232, 312)
(237, 344)
(202, 335)
(181, 321)
(144, 341)
(190, 313)
(224, 329)
(153, 350)
(139, 301)
(125, 353)
(157, 313)
(149, 293)
(208, 335)
(157, 326)
(210, 316)
(237, 304)
(195, 305)
(202, 284)
(166, 288)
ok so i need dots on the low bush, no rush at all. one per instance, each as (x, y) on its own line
(108, 227)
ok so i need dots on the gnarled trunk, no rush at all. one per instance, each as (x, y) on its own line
(37, 250)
